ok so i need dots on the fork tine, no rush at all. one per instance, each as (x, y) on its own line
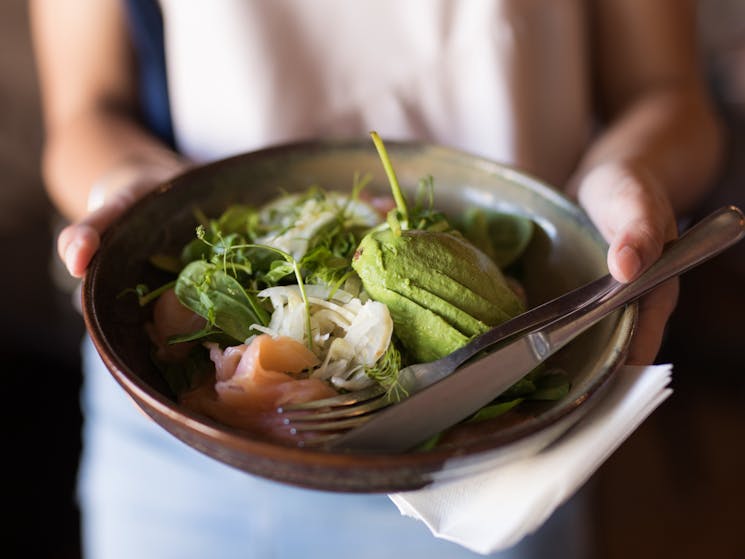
(332, 425)
(337, 412)
(340, 400)
(320, 421)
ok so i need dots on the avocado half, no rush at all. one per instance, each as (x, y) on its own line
(439, 288)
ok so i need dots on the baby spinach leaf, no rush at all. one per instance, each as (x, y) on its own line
(237, 218)
(220, 299)
(196, 249)
(187, 375)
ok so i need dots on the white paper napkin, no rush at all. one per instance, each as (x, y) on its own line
(493, 510)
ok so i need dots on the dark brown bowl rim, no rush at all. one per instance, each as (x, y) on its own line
(429, 461)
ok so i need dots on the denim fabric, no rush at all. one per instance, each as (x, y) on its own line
(144, 494)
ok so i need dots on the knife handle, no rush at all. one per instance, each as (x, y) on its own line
(704, 240)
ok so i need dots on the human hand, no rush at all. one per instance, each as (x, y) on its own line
(110, 197)
(636, 217)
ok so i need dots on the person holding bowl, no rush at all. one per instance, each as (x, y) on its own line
(604, 100)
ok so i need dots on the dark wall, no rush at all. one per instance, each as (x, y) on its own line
(39, 331)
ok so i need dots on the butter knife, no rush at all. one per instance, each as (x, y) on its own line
(433, 409)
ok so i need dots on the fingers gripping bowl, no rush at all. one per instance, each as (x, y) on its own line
(565, 251)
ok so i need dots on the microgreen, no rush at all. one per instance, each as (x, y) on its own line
(311, 238)
(144, 294)
(290, 261)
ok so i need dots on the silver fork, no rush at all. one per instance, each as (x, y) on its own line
(337, 415)
(328, 413)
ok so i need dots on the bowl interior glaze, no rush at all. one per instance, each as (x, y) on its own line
(566, 251)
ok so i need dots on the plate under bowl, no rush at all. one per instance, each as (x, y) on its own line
(566, 251)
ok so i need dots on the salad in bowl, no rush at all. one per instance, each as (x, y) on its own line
(312, 269)
(319, 292)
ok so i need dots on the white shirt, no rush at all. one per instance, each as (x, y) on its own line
(505, 79)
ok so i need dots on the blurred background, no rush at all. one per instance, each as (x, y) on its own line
(40, 332)
(674, 489)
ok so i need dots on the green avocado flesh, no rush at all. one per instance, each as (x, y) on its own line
(440, 289)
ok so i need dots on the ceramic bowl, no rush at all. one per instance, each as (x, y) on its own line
(565, 252)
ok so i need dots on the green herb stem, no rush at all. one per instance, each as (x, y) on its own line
(145, 295)
(398, 196)
(298, 276)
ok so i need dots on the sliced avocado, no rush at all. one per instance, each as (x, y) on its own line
(424, 334)
(424, 274)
